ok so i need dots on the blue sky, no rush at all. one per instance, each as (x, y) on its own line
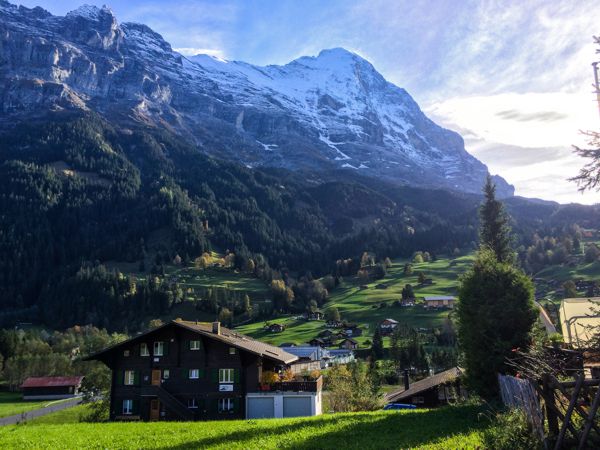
(513, 77)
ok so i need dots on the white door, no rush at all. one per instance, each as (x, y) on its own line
(260, 407)
(297, 406)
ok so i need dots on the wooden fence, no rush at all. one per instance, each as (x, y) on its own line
(563, 413)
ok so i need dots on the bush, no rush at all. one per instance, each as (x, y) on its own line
(511, 431)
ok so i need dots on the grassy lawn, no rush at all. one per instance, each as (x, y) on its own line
(361, 306)
(450, 427)
(69, 415)
(12, 403)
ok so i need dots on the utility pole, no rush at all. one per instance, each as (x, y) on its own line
(596, 83)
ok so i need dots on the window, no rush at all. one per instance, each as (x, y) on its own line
(194, 345)
(127, 406)
(144, 349)
(194, 374)
(159, 348)
(232, 350)
(417, 400)
(126, 353)
(129, 379)
(192, 403)
(225, 375)
(225, 405)
(166, 374)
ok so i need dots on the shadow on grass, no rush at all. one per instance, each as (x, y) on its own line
(362, 430)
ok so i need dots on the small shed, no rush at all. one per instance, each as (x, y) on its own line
(51, 388)
(432, 391)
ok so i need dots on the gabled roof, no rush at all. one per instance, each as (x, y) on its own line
(425, 384)
(389, 321)
(34, 382)
(227, 336)
(349, 339)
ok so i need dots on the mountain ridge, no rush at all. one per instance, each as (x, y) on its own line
(327, 112)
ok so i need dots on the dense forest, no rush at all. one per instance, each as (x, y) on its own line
(77, 192)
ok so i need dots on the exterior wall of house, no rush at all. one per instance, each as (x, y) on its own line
(172, 370)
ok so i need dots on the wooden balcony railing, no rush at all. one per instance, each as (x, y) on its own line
(295, 386)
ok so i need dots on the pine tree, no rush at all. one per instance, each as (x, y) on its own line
(494, 231)
(377, 346)
(495, 316)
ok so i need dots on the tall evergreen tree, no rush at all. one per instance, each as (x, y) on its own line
(495, 316)
(377, 346)
(494, 231)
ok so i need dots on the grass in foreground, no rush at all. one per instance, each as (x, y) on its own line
(449, 427)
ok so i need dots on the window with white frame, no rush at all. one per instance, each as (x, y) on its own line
(194, 374)
(232, 350)
(166, 374)
(125, 352)
(127, 406)
(144, 349)
(225, 375)
(129, 378)
(225, 405)
(192, 403)
(159, 348)
(194, 345)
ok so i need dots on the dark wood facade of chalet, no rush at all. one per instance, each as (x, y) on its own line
(187, 371)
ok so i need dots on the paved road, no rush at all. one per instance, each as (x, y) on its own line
(11, 420)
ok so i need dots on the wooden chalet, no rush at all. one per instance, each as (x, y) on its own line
(432, 391)
(439, 301)
(349, 344)
(51, 388)
(197, 371)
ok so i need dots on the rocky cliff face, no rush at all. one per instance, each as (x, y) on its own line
(332, 111)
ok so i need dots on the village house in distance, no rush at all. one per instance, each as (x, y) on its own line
(202, 371)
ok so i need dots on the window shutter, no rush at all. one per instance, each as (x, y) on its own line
(214, 375)
(135, 407)
(120, 377)
(166, 348)
(201, 373)
(236, 404)
(185, 373)
(189, 345)
(136, 378)
(236, 375)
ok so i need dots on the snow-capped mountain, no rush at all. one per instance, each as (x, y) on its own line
(329, 112)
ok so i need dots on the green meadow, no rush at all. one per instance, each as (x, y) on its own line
(12, 403)
(448, 427)
(367, 305)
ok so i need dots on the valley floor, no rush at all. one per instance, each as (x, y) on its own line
(449, 427)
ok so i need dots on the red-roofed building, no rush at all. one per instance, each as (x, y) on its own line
(50, 388)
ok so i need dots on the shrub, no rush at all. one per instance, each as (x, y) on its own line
(511, 431)
(269, 377)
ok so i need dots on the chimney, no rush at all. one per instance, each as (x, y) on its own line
(406, 380)
(216, 329)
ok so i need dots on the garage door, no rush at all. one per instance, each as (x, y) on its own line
(296, 406)
(260, 407)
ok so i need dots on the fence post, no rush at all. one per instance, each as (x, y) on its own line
(549, 399)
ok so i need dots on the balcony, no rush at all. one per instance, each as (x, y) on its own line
(294, 386)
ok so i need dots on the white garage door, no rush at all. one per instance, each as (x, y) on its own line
(296, 406)
(260, 407)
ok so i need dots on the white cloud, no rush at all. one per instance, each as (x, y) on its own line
(526, 138)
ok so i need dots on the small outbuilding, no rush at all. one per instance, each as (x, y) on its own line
(440, 301)
(349, 344)
(51, 388)
(432, 391)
